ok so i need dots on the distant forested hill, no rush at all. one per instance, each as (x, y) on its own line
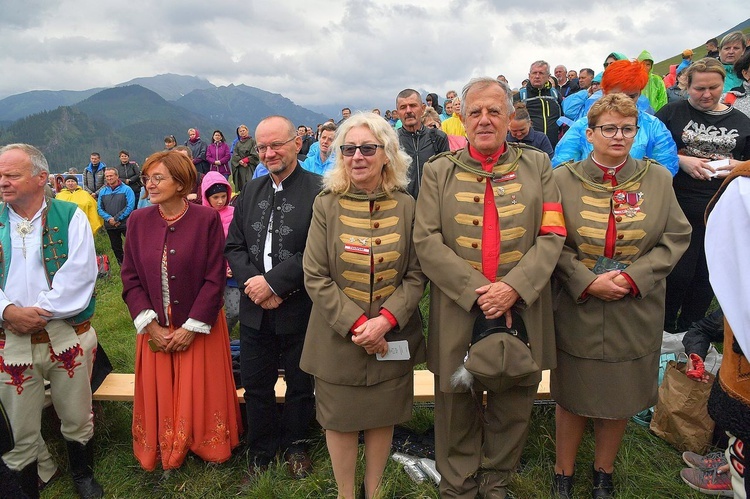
(22, 105)
(62, 135)
(131, 118)
(137, 119)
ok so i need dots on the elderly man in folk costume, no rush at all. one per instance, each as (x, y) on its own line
(47, 277)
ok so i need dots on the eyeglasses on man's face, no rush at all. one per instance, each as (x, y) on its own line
(275, 146)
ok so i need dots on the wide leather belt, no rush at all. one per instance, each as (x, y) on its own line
(43, 336)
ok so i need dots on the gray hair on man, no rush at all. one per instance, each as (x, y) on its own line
(484, 82)
(540, 63)
(38, 161)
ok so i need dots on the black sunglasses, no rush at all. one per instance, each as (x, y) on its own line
(365, 149)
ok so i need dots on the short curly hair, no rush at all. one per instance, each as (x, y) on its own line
(617, 103)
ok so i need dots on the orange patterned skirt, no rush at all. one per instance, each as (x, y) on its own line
(185, 401)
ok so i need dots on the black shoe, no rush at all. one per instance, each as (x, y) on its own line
(562, 486)
(81, 459)
(604, 488)
(18, 484)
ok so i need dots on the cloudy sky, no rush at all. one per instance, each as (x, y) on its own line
(320, 52)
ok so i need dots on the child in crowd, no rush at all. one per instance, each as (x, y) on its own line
(216, 193)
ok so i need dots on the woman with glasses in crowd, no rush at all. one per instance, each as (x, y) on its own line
(363, 277)
(705, 130)
(653, 140)
(173, 284)
(625, 233)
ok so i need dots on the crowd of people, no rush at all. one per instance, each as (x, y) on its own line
(560, 226)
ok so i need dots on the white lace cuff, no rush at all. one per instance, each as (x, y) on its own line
(196, 326)
(144, 319)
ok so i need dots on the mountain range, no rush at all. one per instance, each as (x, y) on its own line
(136, 116)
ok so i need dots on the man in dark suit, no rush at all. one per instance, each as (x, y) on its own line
(264, 248)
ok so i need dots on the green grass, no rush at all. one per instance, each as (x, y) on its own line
(646, 467)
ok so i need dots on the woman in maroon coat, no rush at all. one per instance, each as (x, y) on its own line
(173, 278)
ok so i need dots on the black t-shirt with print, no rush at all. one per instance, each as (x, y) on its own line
(712, 135)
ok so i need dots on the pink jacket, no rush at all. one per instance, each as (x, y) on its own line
(227, 212)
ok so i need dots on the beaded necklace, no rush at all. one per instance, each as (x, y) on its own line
(176, 217)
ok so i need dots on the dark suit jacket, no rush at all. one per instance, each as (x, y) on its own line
(245, 249)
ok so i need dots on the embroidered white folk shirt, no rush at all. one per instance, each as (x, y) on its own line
(26, 284)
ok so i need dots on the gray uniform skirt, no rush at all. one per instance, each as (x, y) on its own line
(606, 390)
(348, 408)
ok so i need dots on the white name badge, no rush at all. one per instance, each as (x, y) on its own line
(397, 350)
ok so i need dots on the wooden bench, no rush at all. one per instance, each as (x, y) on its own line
(119, 387)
